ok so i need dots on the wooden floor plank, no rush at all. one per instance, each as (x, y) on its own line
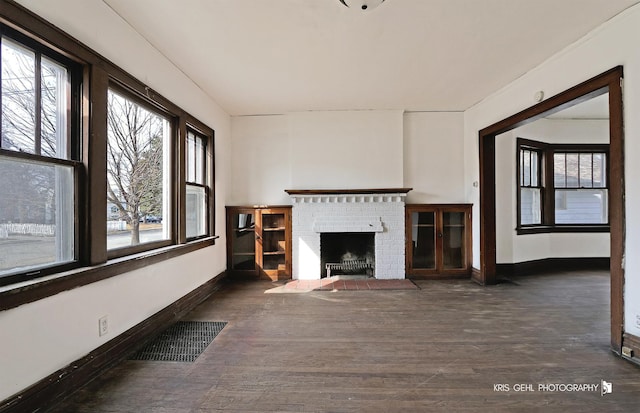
(442, 347)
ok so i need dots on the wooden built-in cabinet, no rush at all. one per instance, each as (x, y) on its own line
(259, 242)
(438, 240)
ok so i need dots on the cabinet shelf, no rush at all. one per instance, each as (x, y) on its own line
(245, 229)
(274, 253)
(259, 242)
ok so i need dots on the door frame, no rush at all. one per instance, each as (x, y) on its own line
(611, 82)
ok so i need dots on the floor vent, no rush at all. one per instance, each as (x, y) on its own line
(183, 341)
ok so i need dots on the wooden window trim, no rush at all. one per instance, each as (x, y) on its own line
(93, 77)
(546, 152)
(64, 279)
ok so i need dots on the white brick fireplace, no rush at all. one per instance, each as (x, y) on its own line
(378, 211)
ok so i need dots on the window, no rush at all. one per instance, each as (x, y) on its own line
(562, 187)
(580, 184)
(38, 173)
(138, 173)
(197, 189)
(530, 176)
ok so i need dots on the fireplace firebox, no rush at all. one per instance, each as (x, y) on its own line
(347, 253)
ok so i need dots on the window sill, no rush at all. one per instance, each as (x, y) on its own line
(545, 229)
(17, 294)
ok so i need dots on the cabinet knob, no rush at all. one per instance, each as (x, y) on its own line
(439, 234)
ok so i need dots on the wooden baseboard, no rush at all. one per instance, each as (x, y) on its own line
(64, 382)
(551, 265)
(476, 275)
(631, 342)
(438, 276)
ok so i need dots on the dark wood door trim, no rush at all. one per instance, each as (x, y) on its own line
(611, 82)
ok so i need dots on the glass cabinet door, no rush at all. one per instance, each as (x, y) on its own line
(423, 240)
(243, 234)
(273, 241)
(453, 239)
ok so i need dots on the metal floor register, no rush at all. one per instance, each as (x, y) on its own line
(184, 341)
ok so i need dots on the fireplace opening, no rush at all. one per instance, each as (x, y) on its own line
(347, 253)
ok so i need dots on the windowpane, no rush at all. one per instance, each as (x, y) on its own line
(18, 97)
(599, 170)
(582, 206)
(191, 157)
(530, 206)
(53, 113)
(36, 215)
(521, 177)
(559, 170)
(534, 169)
(196, 211)
(572, 170)
(138, 177)
(196, 155)
(586, 169)
(200, 158)
(526, 166)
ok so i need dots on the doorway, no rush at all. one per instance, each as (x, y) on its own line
(608, 82)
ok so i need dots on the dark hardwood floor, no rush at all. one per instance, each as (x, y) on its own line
(441, 348)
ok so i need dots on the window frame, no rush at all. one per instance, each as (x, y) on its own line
(73, 145)
(207, 174)
(548, 193)
(88, 114)
(538, 148)
(171, 191)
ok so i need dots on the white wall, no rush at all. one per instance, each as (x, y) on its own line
(260, 160)
(434, 157)
(47, 335)
(514, 248)
(614, 43)
(348, 149)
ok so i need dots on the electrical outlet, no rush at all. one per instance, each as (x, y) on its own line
(103, 326)
(638, 320)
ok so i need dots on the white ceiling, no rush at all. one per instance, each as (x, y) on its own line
(594, 108)
(278, 56)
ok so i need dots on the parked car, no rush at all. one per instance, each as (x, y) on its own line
(151, 219)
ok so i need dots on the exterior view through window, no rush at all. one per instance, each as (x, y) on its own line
(37, 184)
(138, 173)
(196, 186)
(580, 183)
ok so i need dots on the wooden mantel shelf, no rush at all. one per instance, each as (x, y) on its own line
(347, 191)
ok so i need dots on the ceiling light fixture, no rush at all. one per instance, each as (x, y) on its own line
(364, 5)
